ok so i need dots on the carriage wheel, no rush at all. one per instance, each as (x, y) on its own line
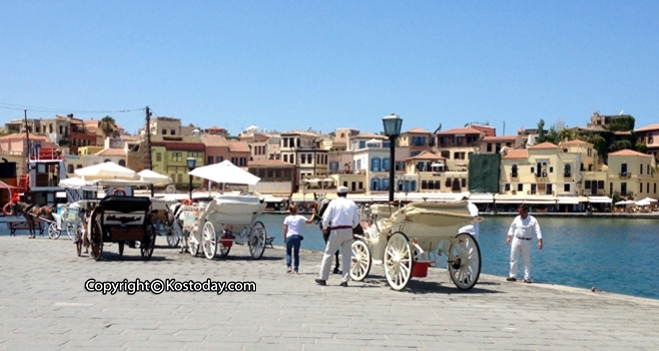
(398, 261)
(173, 236)
(121, 248)
(464, 264)
(96, 237)
(149, 242)
(361, 260)
(256, 240)
(53, 232)
(71, 231)
(224, 250)
(209, 240)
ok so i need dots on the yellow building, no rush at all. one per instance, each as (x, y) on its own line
(456, 144)
(631, 175)
(170, 158)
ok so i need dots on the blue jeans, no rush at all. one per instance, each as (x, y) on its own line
(293, 242)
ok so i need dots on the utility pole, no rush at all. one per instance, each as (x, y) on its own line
(147, 130)
(27, 138)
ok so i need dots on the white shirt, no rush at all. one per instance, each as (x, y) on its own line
(294, 223)
(524, 228)
(472, 229)
(341, 212)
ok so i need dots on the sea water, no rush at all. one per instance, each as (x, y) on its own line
(619, 255)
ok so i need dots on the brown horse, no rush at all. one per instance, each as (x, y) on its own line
(33, 214)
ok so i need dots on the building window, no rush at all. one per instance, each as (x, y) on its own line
(219, 159)
(533, 188)
(122, 163)
(463, 182)
(514, 171)
(623, 189)
(172, 132)
(164, 131)
(489, 147)
(520, 187)
(375, 164)
(623, 170)
(641, 169)
(70, 168)
(285, 158)
(234, 160)
(506, 187)
(158, 157)
(303, 158)
(243, 161)
(176, 156)
(566, 187)
(209, 160)
(567, 170)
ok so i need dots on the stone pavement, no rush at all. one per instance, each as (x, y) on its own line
(44, 305)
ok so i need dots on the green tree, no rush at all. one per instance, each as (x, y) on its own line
(108, 126)
(541, 132)
(553, 136)
(599, 144)
(641, 147)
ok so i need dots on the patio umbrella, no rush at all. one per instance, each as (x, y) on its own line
(624, 202)
(106, 170)
(643, 203)
(649, 199)
(155, 178)
(225, 172)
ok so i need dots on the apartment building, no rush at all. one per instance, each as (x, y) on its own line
(631, 174)
(456, 144)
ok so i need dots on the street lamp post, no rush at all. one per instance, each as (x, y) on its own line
(392, 125)
(192, 163)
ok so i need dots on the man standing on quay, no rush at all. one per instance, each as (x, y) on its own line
(520, 233)
(340, 218)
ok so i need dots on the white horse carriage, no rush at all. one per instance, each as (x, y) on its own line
(68, 218)
(227, 219)
(401, 240)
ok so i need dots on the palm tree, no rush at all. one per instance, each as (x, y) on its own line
(108, 126)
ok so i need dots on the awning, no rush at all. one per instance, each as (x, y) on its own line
(485, 198)
(567, 200)
(273, 199)
(599, 199)
(525, 199)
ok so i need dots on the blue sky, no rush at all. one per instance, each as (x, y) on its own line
(325, 64)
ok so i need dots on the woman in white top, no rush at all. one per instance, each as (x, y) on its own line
(292, 237)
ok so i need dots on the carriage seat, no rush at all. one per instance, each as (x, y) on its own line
(126, 204)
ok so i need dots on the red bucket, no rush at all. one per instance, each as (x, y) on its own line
(420, 269)
(226, 241)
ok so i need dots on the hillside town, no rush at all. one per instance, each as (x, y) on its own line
(571, 169)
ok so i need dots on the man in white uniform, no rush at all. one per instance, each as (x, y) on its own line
(472, 229)
(340, 218)
(520, 233)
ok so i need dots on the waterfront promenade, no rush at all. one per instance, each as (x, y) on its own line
(44, 305)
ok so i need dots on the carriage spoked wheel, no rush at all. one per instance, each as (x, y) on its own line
(209, 240)
(96, 234)
(71, 231)
(193, 245)
(147, 245)
(361, 260)
(256, 240)
(464, 263)
(53, 232)
(174, 235)
(224, 244)
(398, 261)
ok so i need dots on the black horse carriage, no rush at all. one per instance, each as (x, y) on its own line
(123, 220)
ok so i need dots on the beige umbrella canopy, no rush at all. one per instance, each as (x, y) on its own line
(155, 178)
(225, 172)
(106, 170)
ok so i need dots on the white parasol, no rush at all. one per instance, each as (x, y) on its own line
(154, 177)
(225, 172)
(106, 170)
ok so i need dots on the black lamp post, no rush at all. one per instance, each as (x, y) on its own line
(392, 125)
(192, 163)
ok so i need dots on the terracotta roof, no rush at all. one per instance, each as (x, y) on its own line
(214, 140)
(575, 142)
(622, 132)
(649, 128)
(500, 138)
(270, 163)
(22, 136)
(467, 130)
(426, 155)
(545, 145)
(238, 146)
(418, 130)
(178, 146)
(111, 152)
(517, 153)
(628, 152)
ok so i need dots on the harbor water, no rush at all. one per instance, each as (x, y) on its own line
(618, 255)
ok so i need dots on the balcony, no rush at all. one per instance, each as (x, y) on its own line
(625, 175)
